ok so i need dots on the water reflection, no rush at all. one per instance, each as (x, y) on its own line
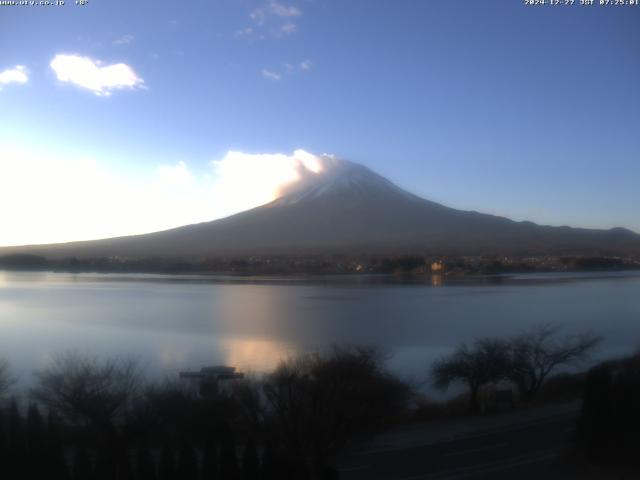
(174, 323)
(255, 354)
(170, 355)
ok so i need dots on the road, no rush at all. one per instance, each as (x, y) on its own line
(513, 446)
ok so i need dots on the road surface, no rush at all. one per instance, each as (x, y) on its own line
(519, 445)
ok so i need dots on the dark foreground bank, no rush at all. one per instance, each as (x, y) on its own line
(314, 417)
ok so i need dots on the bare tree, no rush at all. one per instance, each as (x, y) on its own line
(249, 397)
(534, 354)
(317, 404)
(161, 404)
(88, 391)
(6, 380)
(484, 362)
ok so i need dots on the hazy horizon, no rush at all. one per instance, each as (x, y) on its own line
(287, 175)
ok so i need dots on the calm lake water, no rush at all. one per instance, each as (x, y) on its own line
(176, 322)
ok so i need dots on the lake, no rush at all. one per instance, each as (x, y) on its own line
(178, 322)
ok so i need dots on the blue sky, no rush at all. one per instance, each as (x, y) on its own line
(528, 112)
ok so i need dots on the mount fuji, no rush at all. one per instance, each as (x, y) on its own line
(347, 208)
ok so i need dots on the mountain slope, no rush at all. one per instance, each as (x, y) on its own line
(347, 208)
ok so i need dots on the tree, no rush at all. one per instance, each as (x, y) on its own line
(35, 430)
(228, 459)
(97, 393)
(250, 462)
(534, 354)
(6, 380)
(610, 418)
(87, 391)
(82, 467)
(187, 462)
(3, 442)
(125, 471)
(36, 443)
(16, 465)
(318, 404)
(484, 362)
(57, 468)
(106, 465)
(167, 466)
(210, 461)
(145, 469)
(167, 405)
(269, 464)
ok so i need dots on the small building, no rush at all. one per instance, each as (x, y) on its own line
(437, 267)
(208, 377)
(215, 373)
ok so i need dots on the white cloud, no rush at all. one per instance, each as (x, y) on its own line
(288, 28)
(289, 69)
(178, 174)
(258, 15)
(93, 75)
(282, 10)
(306, 65)
(17, 74)
(247, 180)
(58, 197)
(123, 40)
(275, 18)
(274, 9)
(270, 75)
(243, 32)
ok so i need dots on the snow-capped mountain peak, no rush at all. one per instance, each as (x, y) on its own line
(339, 179)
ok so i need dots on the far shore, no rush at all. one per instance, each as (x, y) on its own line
(410, 268)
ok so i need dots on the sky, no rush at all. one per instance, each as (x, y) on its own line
(120, 117)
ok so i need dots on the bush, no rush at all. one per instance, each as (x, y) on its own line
(318, 405)
(610, 419)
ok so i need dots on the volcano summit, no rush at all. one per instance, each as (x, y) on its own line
(341, 207)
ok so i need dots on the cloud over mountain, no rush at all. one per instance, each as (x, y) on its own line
(321, 205)
(88, 199)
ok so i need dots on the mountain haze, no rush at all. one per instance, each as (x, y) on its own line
(347, 208)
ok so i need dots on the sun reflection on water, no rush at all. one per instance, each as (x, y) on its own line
(255, 355)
